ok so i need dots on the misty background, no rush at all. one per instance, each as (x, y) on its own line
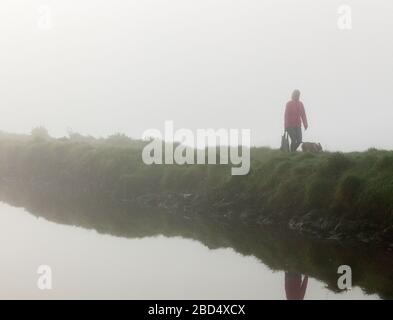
(100, 67)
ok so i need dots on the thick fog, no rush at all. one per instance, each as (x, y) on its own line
(99, 67)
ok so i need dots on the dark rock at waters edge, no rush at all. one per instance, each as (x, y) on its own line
(314, 224)
(311, 224)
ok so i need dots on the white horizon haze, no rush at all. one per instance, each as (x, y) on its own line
(102, 67)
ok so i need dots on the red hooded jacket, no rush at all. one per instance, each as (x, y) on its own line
(295, 114)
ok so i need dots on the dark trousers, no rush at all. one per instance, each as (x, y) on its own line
(296, 137)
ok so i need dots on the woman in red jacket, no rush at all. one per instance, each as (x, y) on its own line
(294, 116)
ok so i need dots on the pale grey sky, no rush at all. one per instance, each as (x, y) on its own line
(127, 66)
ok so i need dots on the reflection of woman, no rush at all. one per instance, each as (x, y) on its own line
(295, 288)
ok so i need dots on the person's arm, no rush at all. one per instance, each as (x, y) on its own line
(304, 117)
(286, 117)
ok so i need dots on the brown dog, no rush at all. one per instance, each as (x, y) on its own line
(311, 147)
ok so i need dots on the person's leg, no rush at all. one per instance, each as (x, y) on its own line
(298, 136)
(292, 134)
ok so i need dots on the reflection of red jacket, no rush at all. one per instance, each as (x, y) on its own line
(295, 114)
(295, 287)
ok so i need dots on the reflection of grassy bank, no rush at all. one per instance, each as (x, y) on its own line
(279, 249)
(330, 194)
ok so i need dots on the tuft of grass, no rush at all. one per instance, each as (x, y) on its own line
(319, 194)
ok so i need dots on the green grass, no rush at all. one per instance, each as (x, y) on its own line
(357, 185)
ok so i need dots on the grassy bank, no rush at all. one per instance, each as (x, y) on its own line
(321, 193)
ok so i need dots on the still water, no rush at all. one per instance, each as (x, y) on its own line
(90, 264)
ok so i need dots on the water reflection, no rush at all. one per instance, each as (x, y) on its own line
(297, 257)
(295, 285)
